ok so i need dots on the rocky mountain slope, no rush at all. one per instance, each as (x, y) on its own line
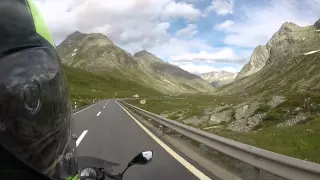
(256, 63)
(261, 53)
(96, 53)
(289, 62)
(286, 89)
(219, 78)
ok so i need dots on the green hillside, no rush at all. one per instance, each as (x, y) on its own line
(85, 86)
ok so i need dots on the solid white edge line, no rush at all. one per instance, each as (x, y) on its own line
(175, 155)
(99, 113)
(81, 137)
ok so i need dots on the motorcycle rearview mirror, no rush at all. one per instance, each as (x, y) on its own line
(142, 158)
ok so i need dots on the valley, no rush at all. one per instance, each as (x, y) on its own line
(272, 103)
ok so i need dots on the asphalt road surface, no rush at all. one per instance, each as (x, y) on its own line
(106, 131)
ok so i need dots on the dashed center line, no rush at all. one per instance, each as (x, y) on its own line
(99, 113)
(81, 137)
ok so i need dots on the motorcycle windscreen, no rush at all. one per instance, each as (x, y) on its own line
(36, 124)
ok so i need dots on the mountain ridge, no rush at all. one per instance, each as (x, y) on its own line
(219, 78)
(290, 67)
(95, 53)
(261, 53)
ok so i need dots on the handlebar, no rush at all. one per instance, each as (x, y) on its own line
(142, 158)
(111, 176)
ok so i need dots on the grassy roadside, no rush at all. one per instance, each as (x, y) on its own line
(189, 105)
(300, 141)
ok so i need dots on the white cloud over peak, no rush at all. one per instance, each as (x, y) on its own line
(199, 69)
(219, 56)
(188, 31)
(143, 21)
(176, 46)
(221, 7)
(256, 25)
(226, 24)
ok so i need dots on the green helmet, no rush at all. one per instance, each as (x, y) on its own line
(35, 108)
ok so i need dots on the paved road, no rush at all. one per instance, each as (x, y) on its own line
(112, 135)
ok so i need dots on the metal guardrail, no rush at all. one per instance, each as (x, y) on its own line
(280, 165)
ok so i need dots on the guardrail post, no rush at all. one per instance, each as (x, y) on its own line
(256, 174)
(162, 130)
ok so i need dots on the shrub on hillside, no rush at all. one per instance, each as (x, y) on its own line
(317, 24)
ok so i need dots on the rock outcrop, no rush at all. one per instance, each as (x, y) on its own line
(257, 61)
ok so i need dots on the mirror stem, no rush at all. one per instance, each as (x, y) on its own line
(125, 169)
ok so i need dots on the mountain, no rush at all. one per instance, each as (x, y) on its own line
(147, 56)
(289, 62)
(85, 86)
(90, 51)
(219, 78)
(256, 63)
(261, 53)
(97, 54)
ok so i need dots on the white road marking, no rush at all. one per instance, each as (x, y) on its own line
(311, 52)
(81, 137)
(83, 109)
(106, 104)
(99, 113)
(182, 161)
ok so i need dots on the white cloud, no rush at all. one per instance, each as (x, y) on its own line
(219, 56)
(181, 9)
(256, 25)
(175, 46)
(204, 68)
(143, 22)
(230, 69)
(59, 19)
(226, 24)
(188, 31)
(221, 7)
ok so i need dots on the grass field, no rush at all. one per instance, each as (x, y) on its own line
(300, 141)
(191, 105)
(85, 86)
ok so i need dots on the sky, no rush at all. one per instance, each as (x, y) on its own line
(197, 35)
